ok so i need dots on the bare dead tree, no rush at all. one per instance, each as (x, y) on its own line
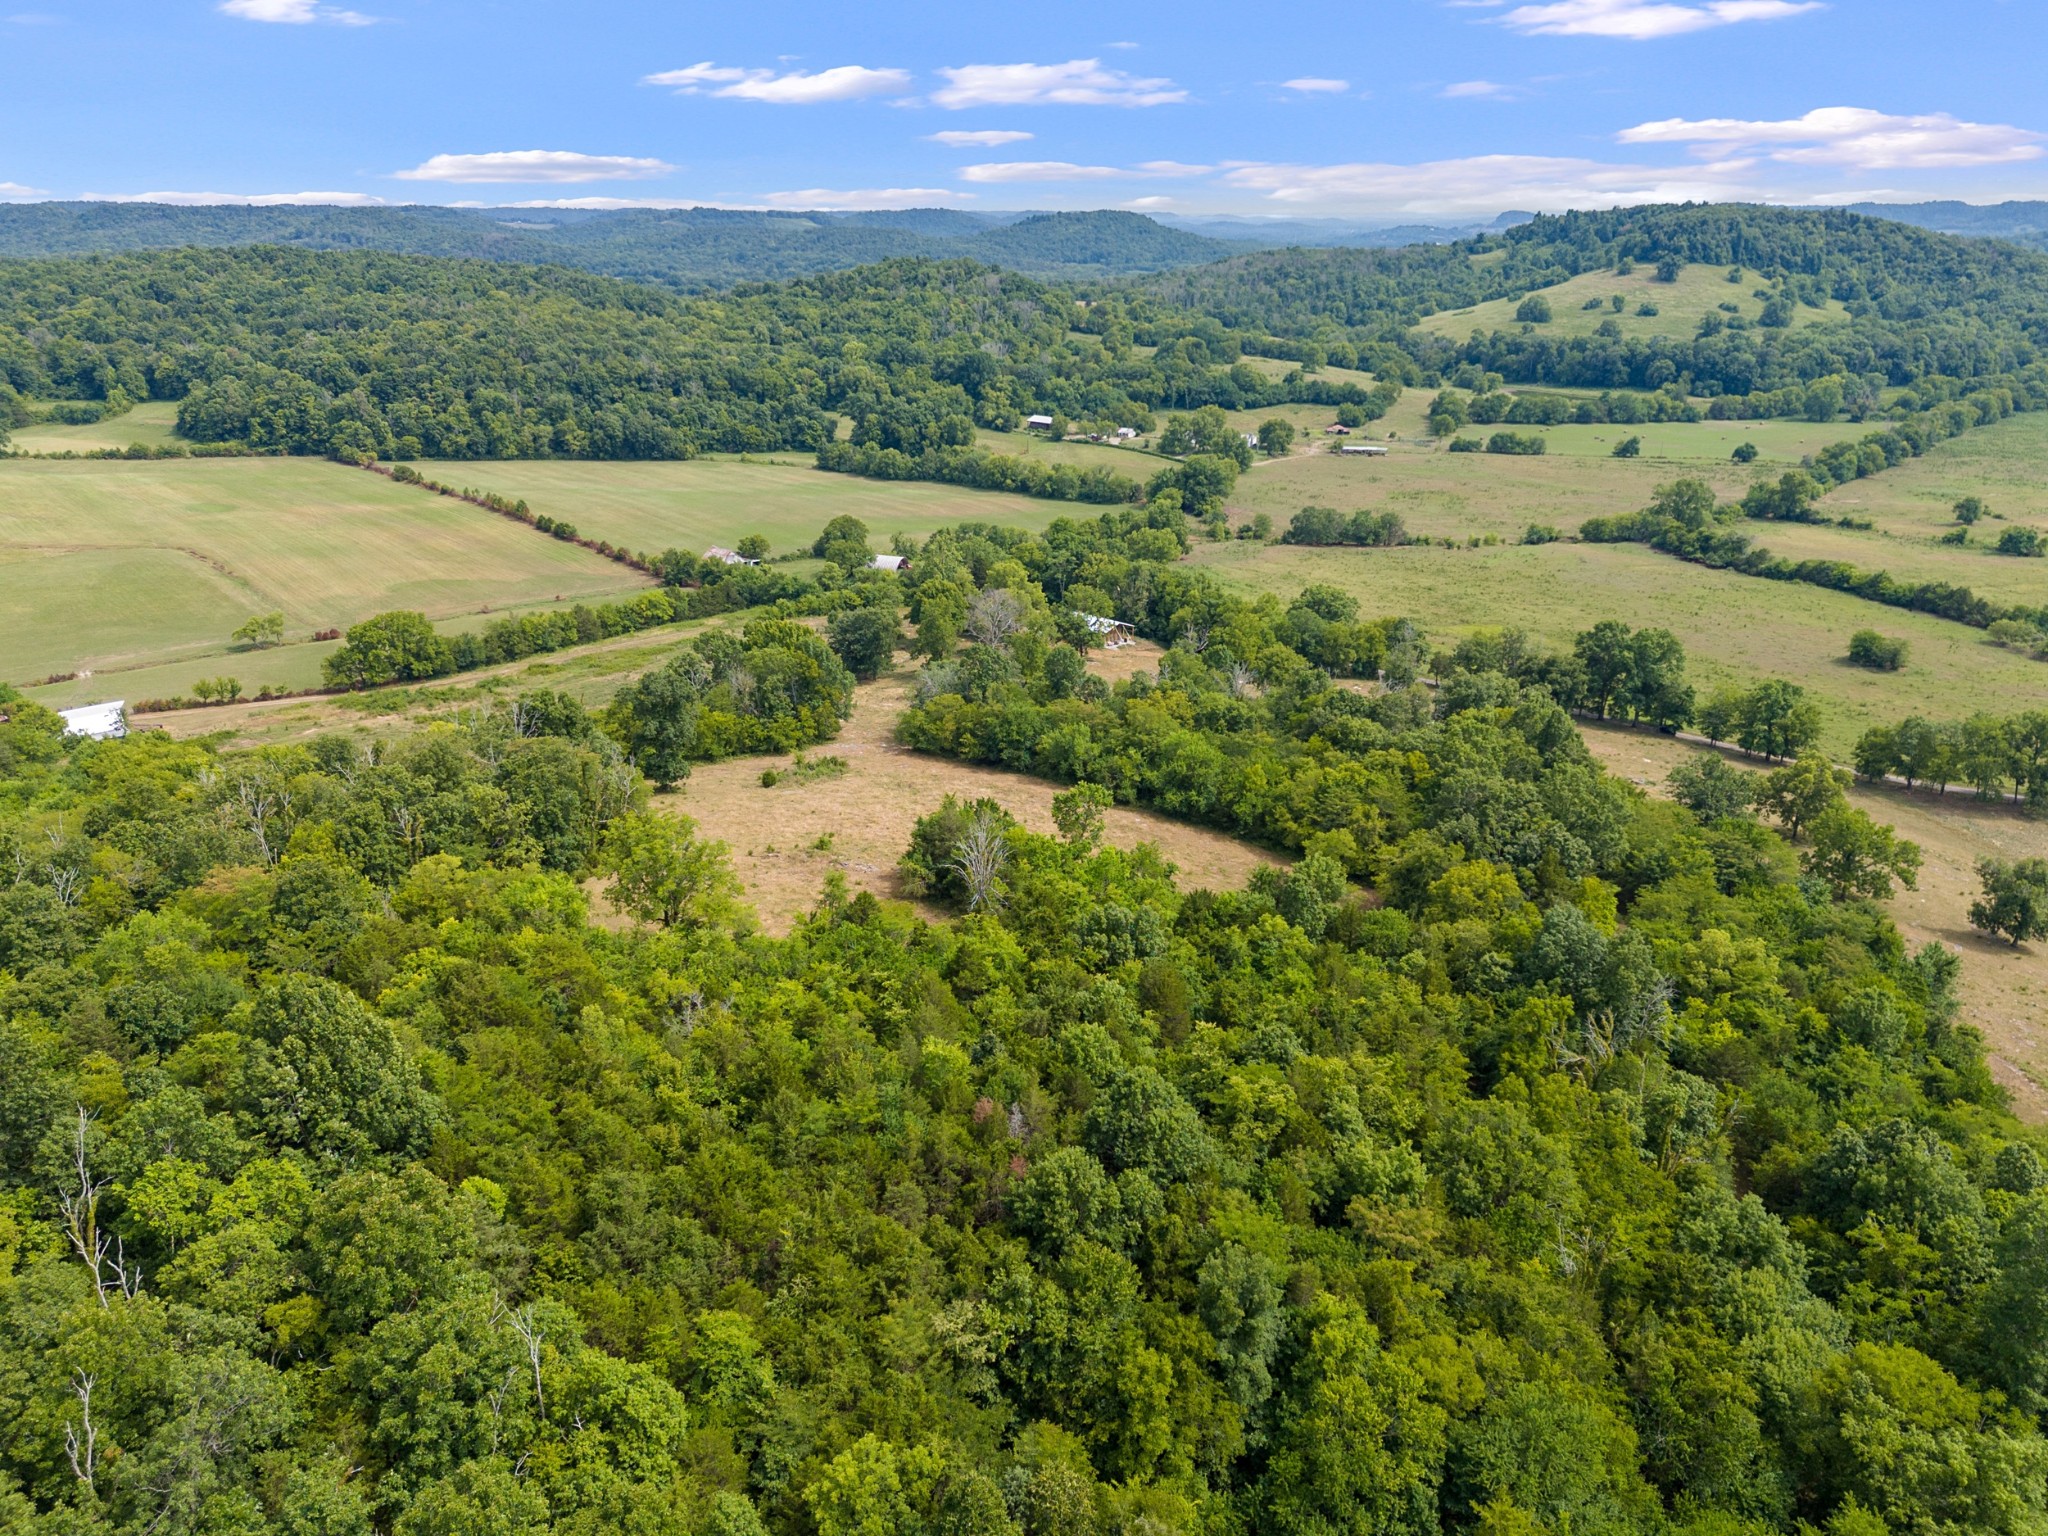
(980, 857)
(993, 616)
(82, 1440)
(1239, 681)
(531, 1334)
(105, 1256)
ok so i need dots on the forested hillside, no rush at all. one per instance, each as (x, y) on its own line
(362, 353)
(686, 248)
(1532, 1156)
(365, 353)
(1919, 302)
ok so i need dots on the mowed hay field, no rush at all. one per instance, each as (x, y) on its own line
(786, 839)
(110, 564)
(1457, 495)
(696, 503)
(2004, 989)
(2006, 465)
(1681, 305)
(153, 424)
(1736, 629)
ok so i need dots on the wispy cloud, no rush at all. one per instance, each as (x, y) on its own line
(1487, 183)
(1076, 83)
(293, 12)
(1640, 20)
(1040, 170)
(1470, 90)
(796, 87)
(1315, 84)
(1067, 170)
(601, 204)
(1855, 137)
(240, 199)
(977, 138)
(16, 189)
(829, 201)
(535, 165)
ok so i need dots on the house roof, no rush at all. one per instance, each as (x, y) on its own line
(890, 562)
(102, 722)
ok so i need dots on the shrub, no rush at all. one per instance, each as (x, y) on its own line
(2021, 541)
(1466, 445)
(1540, 533)
(1534, 310)
(1745, 453)
(1880, 653)
(1523, 443)
(1628, 448)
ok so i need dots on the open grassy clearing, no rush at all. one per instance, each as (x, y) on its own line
(2005, 464)
(1699, 291)
(113, 564)
(151, 424)
(1735, 629)
(2004, 990)
(1684, 446)
(2003, 578)
(1456, 495)
(700, 502)
(784, 840)
(1134, 461)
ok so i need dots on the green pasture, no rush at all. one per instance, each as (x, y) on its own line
(116, 564)
(1459, 495)
(151, 424)
(1735, 628)
(700, 502)
(1698, 292)
(1909, 557)
(2005, 464)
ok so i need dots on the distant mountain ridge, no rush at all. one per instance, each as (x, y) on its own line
(2025, 222)
(687, 248)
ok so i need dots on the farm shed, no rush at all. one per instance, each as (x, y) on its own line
(889, 563)
(1363, 450)
(726, 556)
(1114, 632)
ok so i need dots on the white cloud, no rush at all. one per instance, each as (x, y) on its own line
(1856, 137)
(293, 12)
(846, 82)
(1076, 83)
(1471, 89)
(1066, 170)
(1040, 170)
(977, 138)
(535, 165)
(1488, 183)
(1150, 204)
(16, 189)
(1640, 20)
(1314, 83)
(864, 198)
(240, 199)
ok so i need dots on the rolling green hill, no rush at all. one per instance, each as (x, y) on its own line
(688, 248)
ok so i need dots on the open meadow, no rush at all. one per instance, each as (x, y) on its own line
(152, 424)
(1580, 305)
(116, 564)
(2005, 465)
(1735, 629)
(695, 503)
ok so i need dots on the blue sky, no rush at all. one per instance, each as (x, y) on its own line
(1390, 108)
